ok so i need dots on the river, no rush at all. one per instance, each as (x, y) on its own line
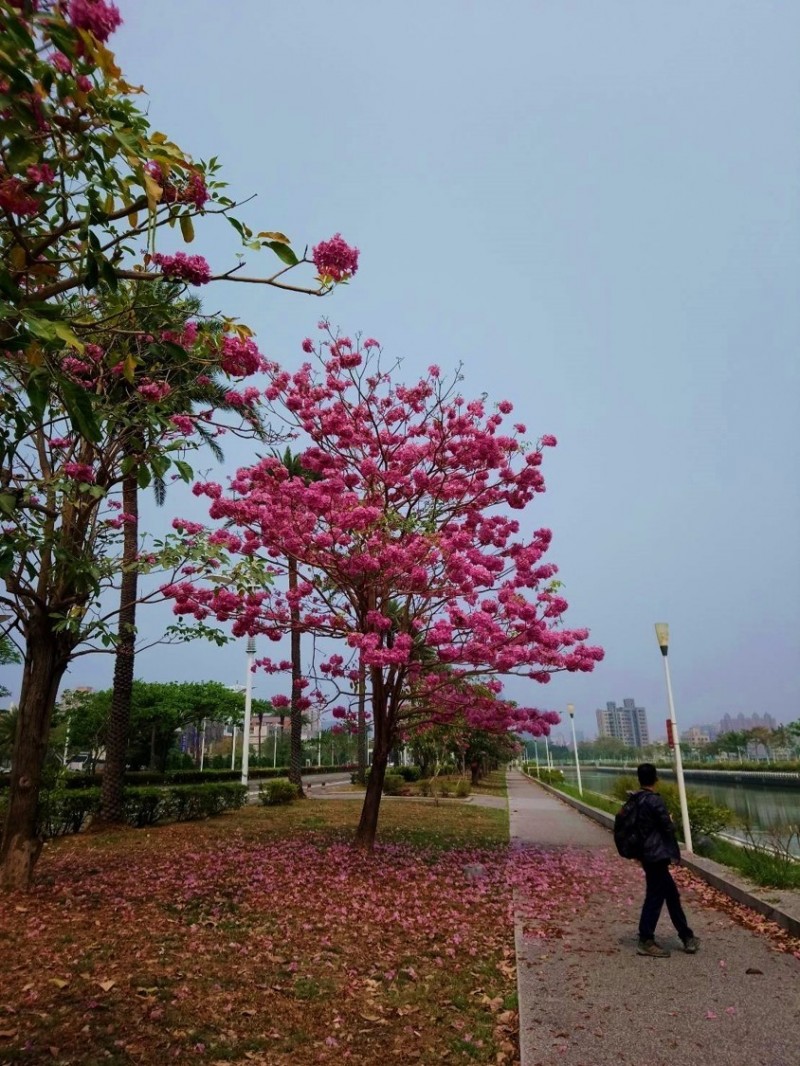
(761, 807)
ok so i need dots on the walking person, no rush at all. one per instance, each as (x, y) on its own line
(660, 848)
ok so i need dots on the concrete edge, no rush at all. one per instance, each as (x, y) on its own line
(718, 876)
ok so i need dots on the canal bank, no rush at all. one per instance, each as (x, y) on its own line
(781, 906)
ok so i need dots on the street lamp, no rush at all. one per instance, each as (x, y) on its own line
(248, 703)
(547, 754)
(662, 635)
(571, 713)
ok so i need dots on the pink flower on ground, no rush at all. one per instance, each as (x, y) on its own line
(96, 16)
(335, 259)
(181, 267)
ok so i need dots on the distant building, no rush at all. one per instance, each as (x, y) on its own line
(743, 723)
(696, 736)
(627, 723)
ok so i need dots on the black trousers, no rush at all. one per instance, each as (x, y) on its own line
(661, 889)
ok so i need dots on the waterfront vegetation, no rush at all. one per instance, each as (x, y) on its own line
(768, 859)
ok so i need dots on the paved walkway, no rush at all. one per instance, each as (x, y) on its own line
(587, 999)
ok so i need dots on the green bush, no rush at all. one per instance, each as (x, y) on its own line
(63, 811)
(277, 791)
(705, 816)
(393, 784)
(425, 787)
(462, 788)
(145, 805)
(408, 773)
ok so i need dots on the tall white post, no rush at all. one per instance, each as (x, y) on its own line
(662, 634)
(248, 704)
(571, 713)
(233, 748)
(536, 754)
(547, 753)
(202, 743)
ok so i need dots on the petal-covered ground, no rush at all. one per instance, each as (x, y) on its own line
(265, 937)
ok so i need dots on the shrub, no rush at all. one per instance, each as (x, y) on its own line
(393, 784)
(705, 816)
(145, 805)
(462, 788)
(277, 791)
(408, 773)
(63, 811)
(425, 787)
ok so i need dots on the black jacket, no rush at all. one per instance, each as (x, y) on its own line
(657, 830)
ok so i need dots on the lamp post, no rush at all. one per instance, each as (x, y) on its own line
(662, 635)
(571, 713)
(547, 754)
(536, 756)
(248, 704)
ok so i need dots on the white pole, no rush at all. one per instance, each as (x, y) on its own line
(202, 743)
(248, 704)
(571, 711)
(536, 753)
(319, 738)
(233, 748)
(274, 745)
(547, 754)
(662, 632)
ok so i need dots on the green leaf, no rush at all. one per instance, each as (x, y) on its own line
(8, 503)
(80, 410)
(283, 252)
(143, 476)
(185, 471)
(187, 229)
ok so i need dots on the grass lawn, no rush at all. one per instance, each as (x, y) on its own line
(263, 936)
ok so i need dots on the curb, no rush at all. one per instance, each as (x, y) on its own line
(785, 913)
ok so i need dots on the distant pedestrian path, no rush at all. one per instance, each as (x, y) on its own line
(587, 999)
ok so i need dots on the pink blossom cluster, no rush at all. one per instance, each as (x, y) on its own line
(192, 191)
(41, 174)
(240, 357)
(16, 199)
(79, 472)
(154, 390)
(335, 259)
(96, 16)
(181, 267)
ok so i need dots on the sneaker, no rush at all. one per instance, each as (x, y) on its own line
(651, 948)
(690, 945)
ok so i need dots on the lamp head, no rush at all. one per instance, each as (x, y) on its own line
(251, 645)
(571, 710)
(662, 636)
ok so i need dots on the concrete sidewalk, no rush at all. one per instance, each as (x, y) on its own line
(587, 999)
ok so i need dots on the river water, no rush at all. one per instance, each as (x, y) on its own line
(761, 807)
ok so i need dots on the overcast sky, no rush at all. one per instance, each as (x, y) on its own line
(594, 208)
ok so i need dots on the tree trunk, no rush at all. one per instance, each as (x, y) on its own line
(383, 724)
(112, 806)
(368, 823)
(296, 715)
(45, 662)
(361, 773)
(475, 769)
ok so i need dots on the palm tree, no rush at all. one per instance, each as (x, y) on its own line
(167, 310)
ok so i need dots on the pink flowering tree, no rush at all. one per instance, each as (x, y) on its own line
(410, 557)
(86, 188)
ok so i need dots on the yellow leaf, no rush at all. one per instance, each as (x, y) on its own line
(129, 367)
(17, 257)
(34, 354)
(270, 236)
(133, 219)
(109, 204)
(159, 138)
(106, 985)
(153, 190)
(187, 229)
(58, 982)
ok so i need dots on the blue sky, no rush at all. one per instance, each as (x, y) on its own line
(593, 208)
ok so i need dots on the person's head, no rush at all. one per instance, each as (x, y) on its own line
(647, 774)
